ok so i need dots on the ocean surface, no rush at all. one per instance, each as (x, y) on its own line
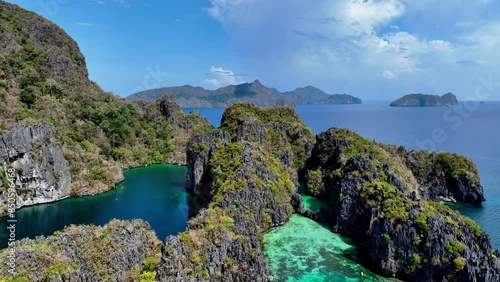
(470, 128)
(155, 194)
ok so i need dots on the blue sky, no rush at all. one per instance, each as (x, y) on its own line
(373, 49)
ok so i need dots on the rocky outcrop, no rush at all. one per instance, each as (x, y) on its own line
(180, 126)
(118, 251)
(241, 172)
(378, 201)
(442, 176)
(425, 100)
(171, 111)
(42, 172)
(297, 204)
(250, 192)
(199, 151)
(278, 129)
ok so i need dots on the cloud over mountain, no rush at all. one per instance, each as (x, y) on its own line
(394, 46)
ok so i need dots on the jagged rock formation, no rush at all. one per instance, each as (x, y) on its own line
(425, 100)
(118, 251)
(200, 150)
(255, 93)
(44, 174)
(279, 129)
(383, 205)
(180, 127)
(442, 176)
(247, 190)
(249, 193)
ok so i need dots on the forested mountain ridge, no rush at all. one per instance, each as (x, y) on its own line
(255, 93)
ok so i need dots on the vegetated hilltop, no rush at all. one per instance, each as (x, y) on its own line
(425, 100)
(241, 174)
(62, 133)
(255, 93)
(387, 200)
(119, 251)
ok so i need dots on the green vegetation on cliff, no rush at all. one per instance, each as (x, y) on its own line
(250, 193)
(43, 77)
(118, 251)
(385, 198)
(283, 129)
(239, 171)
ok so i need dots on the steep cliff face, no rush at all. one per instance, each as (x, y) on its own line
(249, 192)
(43, 173)
(278, 129)
(178, 126)
(377, 200)
(118, 251)
(247, 188)
(442, 176)
(199, 152)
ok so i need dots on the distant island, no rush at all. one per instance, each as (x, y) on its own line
(425, 100)
(255, 93)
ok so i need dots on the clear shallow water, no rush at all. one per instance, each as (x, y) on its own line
(472, 132)
(304, 250)
(155, 194)
(313, 203)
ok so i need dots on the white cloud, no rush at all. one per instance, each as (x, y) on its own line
(104, 2)
(349, 45)
(87, 24)
(389, 74)
(222, 77)
(464, 24)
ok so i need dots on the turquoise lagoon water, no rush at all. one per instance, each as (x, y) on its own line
(155, 194)
(304, 250)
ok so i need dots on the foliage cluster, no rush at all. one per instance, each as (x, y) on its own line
(91, 249)
(283, 129)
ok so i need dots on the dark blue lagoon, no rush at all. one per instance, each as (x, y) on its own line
(155, 194)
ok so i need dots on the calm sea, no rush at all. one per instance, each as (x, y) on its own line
(471, 129)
